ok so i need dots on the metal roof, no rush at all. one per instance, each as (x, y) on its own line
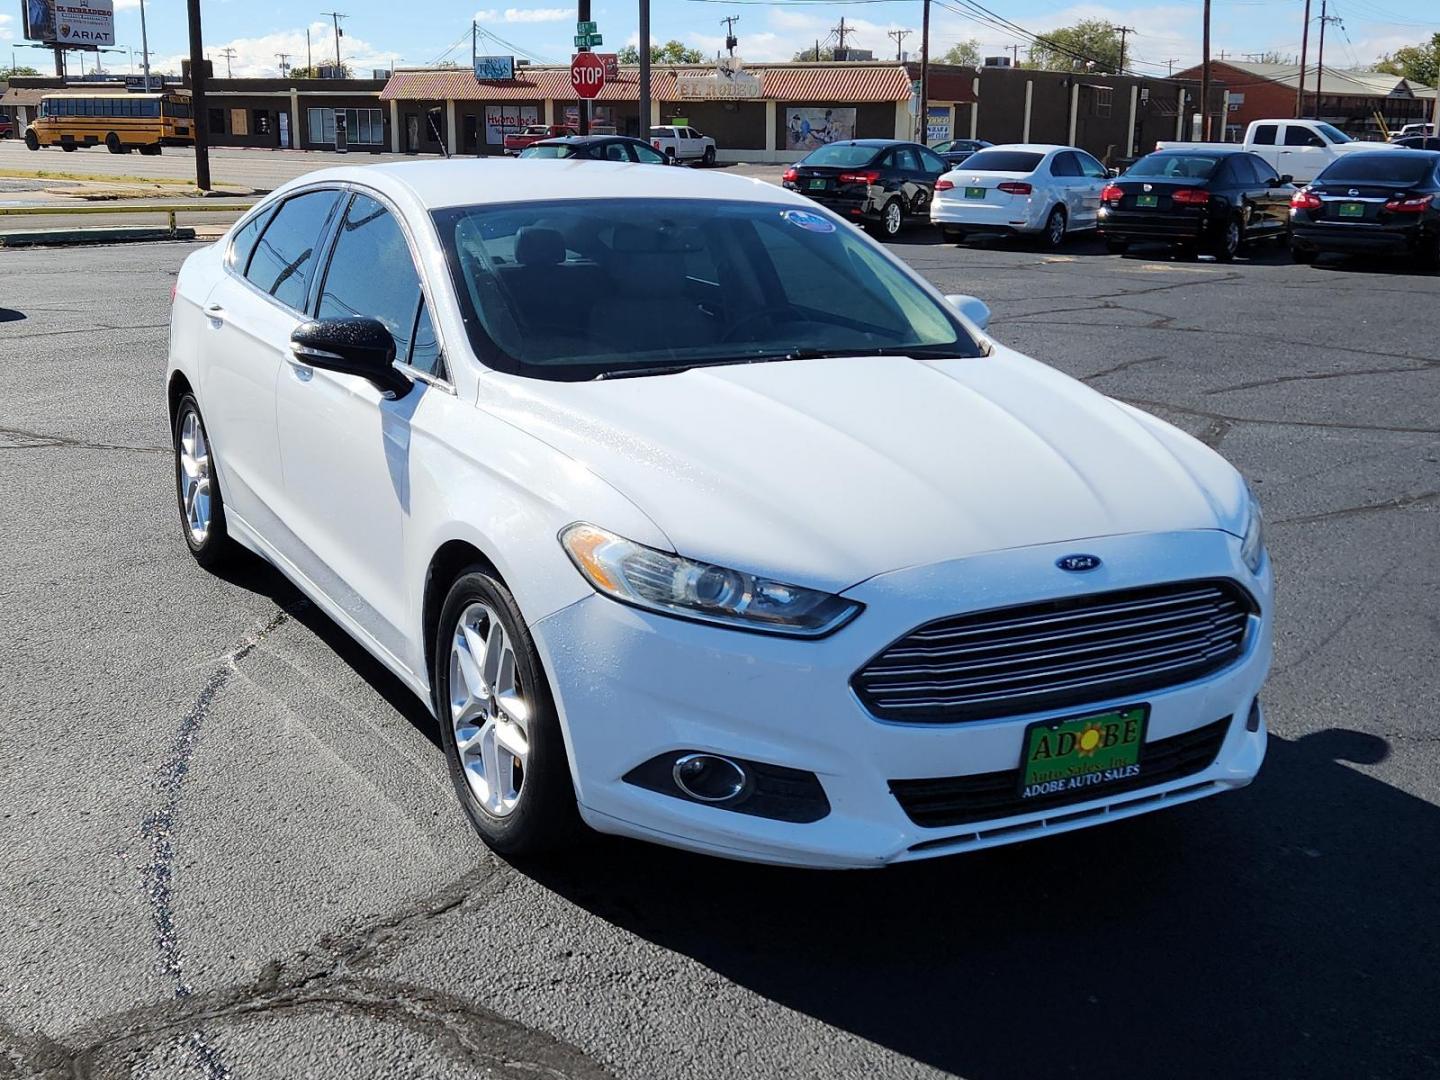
(838, 82)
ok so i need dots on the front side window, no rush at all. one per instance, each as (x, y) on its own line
(552, 151)
(575, 289)
(284, 259)
(1090, 167)
(905, 160)
(616, 152)
(1295, 135)
(371, 274)
(932, 163)
(646, 154)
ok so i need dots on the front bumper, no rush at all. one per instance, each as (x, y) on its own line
(630, 685)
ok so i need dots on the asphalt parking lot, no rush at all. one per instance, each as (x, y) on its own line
(232, 848)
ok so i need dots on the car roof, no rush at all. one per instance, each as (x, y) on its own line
(1389, 154)
(487, 181)
(584, 140)
(877, 143)
(1030, 147)
(1200, 151)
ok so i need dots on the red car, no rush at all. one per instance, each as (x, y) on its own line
(7, 127)
(519, 140)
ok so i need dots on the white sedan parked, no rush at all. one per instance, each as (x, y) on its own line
(695, 515)
(1030, 189)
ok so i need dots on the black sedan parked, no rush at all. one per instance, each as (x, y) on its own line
(1372, 201)
(1418, 142)
(1196, 200)
(596, 148)
(954, 151)
(880, 182)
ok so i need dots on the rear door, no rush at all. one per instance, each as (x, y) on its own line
(1265, 144)
(250, 315)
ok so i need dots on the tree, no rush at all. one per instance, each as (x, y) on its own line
(813, 53)
(1419, 63)
(672, 52)
(961, 54)
(18, 69)
(1089, 45)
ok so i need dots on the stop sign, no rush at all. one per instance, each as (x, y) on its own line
(587, 74)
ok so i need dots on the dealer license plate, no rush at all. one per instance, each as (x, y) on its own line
(1352, 209)
(1147, 202)
(1082, 752)
(817, 185)
(974, 193)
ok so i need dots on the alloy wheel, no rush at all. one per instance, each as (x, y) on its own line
(1056, 229)
(194, 465)
(1232, 239)
(488, 711)
(892, 218)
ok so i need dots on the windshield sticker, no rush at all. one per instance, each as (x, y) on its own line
(808, 221)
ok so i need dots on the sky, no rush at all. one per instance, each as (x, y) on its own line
(376, 36)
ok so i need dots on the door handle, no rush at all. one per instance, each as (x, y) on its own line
(216, 314)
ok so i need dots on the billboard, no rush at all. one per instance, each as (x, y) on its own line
(69, 22)
(494, 68)
(809, 128)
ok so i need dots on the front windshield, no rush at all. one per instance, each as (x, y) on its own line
(547, 152)
(1175, 166)
(578, 288)
(1334, 134)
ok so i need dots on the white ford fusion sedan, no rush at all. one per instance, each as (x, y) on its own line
(695, 515)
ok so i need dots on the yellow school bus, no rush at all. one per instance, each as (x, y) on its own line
(119, 122)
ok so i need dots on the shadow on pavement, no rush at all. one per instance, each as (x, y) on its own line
(11, 315)
(1284, 931)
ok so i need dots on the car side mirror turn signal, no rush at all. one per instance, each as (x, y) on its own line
(352, 346)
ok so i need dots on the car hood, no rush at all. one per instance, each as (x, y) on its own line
(826, 472)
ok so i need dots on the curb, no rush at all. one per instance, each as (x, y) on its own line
(102, 234)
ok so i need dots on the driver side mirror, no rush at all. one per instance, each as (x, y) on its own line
(1285, 178)
(1112, 173)
(351, 346)
(972, 307)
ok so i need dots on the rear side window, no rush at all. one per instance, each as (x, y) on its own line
(616, 152)
(284, 260)
(1401, 168)
(371, 273)
(245, 240)
(1060, 165)
(1016, 161)
(1264, 135)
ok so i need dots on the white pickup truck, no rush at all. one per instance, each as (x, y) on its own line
(679, 143)
(1299, 149)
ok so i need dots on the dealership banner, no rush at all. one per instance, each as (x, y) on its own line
(69, 22)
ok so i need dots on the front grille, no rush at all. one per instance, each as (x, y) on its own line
(1057, 654)
(959, 800)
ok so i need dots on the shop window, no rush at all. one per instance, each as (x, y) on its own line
(262, 122)
(215, 121)
(239, 122)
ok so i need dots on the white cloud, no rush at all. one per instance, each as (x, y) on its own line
(257, 57)
(130, 5)
(524, 15)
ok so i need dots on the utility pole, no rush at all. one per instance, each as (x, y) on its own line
(1015, 52)
(1320, 56)
(583, 106)
(474, 33)
(229, 55)
(899, 36)
(335, 17)
(645, 70)
(924, 111)
(1170, 65)
(1122, 31)
(284, 59)
(842, 30)
(200, 118)
(144, 45)
(1205, 76)
(1304, 55)
(309, 57)
(730, 39)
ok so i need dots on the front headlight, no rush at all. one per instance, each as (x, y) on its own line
(1252, 544)
(673, 585)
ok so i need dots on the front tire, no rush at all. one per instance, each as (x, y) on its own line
(498, 721)
(197, 488)
(1053, 235)
(708, 160)
(32, 141)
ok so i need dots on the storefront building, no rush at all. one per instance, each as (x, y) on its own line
(769, 113)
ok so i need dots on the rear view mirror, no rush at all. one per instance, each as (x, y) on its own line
(353, 346)
(972, 307)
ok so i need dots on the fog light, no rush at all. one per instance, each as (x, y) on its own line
(708, 777)
(1252, 722)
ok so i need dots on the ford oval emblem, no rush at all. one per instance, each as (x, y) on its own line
(1078, 564)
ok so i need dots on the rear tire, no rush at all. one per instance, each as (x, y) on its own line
(1053, 235)
(1302, 255)
(1428, 257)
(1116, 247)
(892, 220)
(32, 141)
(502, 736)
(197, 488)
(68, 147)
(150, 151)
(1227, 245)
(950, 235)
